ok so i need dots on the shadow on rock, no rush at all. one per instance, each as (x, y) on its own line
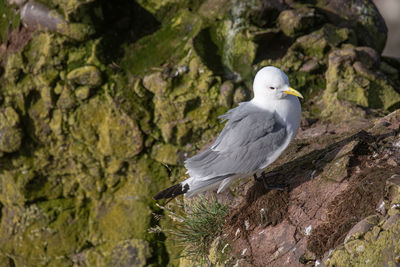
(333, 182)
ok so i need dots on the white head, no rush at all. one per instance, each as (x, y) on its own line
(272, 83)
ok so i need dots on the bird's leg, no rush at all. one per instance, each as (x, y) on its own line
(258, 179)
(261, 178)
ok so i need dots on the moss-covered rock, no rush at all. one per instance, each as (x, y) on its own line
(226, 94)
(360, 15)
(9, 20)
(10, 133)
(102, 127)
(294, 22)
(155, 83)
(235, 46)
(165, 44)
(166, 153)
(318, 43)
(353, 75)
(130, 253)
(306, 59)
(373, 241)
(86, 75)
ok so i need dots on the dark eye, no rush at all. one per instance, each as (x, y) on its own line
(272, 88)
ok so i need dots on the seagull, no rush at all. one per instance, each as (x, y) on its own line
(255, 135)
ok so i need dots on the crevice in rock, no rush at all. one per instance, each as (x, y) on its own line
(33, 188)
(121, 22)
(11, 262)
(271, 45)
(157, 242)
(207, 50)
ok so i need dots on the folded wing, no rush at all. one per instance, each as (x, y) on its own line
(246, 144)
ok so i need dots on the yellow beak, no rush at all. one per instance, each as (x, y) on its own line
(291, 91)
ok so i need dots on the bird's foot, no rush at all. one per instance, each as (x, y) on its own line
(263, 176)
(258, 179)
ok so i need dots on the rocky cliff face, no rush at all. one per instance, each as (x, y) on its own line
(101, 102)
(340, 208)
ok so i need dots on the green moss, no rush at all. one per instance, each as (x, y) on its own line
(165, 44)
(10, 133)
(53, 226)
(235, 46)
(294, 22)
(155, 83)
(86, 75)
(13, 67)
(319, 43)
(381, 248)
(9, 20)
(118, 135)
(361, 16)
(130, 253)
(82, 92)
(40, 51)
(356, 81)
(78, 31)
(166, 153)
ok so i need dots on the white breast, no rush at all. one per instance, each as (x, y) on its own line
(288, 111)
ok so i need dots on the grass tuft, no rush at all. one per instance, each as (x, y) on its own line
(196, 229)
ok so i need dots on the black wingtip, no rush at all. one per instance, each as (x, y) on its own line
(172, 192)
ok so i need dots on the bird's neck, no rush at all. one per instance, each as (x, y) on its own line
(265, 103)
(288, 109)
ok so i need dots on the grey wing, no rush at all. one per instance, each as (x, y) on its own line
(249, 138)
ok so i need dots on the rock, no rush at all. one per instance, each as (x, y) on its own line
(9, 21)
(360, 15)
(130, 253)
(357, 81)
(226, 94)
(78, 31)
(310, 66)
(240, 95)
(82, 92)
(391, 221)
(236, 47)
(310, 223)
(166, 153)
(10, 133)
(267, 12)
(39, 52)
(393, 194)
(86, 75)
(337, 169)
(317, 43)
(294, 22)
(66, 100)
(165, 44)
(10, 140)
(37, 16)
(358, 230)
(377, 245)
(155, 83)
(118, 135)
